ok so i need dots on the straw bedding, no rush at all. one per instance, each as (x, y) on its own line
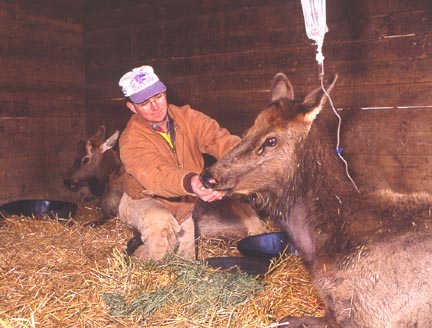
(68, 274)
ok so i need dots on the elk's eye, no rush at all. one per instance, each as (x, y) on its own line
(85, 160)
(269, 142)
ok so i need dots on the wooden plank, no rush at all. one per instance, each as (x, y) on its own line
(30, 140)
(388, 142)
(63, 90)
(243, 22)
(95, 7)
(114, 119)
(140, 13)
(266, 27)
(102, 11)
(17, 48)
(65, 10)
(28, 69)
(48, 12)
(25, 108)
(394, 144)
(390, 132)
(35, 186)
(43, 126)
(400, 120)
(115, 114)
(374, 66)
(355, 8)
(39, 154)
(357, 27)
(348, 96)
(42, 97)
(42, 30)
(33, 106)
(238, 13)
(115, 45)
(35, 183)
(400, 173)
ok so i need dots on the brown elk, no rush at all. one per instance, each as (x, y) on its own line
(98, 166)
(369, 254)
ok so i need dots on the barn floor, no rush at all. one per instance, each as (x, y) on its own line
(60, 274)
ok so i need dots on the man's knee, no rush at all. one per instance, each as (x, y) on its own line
(159, 231)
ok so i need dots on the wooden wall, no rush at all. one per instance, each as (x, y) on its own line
(219, 56)
(41, 96)
(61, 62)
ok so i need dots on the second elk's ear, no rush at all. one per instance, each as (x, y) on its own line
(110, 142)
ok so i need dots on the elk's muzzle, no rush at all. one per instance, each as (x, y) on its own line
(207, 180)
(71, 185)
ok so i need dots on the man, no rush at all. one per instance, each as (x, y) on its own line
(161, 149)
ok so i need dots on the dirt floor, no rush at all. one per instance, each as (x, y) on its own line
(68, 274)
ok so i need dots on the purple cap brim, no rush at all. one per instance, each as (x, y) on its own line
(147, 93)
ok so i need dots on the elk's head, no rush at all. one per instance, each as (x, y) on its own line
(87, 163)
(268, 152)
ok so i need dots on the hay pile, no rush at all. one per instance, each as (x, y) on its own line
(57, 274)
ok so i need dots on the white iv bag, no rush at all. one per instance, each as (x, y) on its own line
(314, 12)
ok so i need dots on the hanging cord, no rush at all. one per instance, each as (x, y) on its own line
(338, 148)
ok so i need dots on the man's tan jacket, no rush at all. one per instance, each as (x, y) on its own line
(155, 169)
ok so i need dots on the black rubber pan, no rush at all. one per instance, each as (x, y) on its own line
(266, 245)
(257, 251)
(40, 208)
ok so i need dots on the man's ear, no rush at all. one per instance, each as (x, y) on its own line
(131, 107)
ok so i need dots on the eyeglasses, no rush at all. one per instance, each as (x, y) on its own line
(158, 99)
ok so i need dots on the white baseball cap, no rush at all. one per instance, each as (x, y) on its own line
(140, 84)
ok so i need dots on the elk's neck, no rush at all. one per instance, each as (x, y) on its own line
(311, 205)
(111, 168)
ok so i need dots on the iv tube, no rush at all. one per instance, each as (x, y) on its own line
(314, 12)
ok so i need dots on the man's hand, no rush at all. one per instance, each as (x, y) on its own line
(207, 195)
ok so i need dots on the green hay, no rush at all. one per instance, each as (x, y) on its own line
(195, 287)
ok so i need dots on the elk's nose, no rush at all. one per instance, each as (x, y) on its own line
(207, 180)
(70, 184)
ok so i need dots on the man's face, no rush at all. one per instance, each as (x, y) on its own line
(154, 109)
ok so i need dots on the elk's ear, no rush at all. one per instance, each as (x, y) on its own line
(88, 148)
(314, 102)
(281, 88)
(99, 135)
(110, 142)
